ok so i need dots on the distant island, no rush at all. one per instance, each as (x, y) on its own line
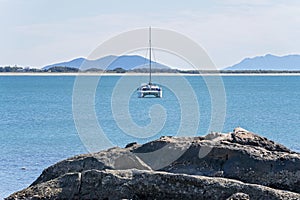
(53, 70)
(126, 62)
(268, 62)
(138, 64)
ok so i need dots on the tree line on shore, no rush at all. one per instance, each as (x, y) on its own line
(62, 69)
(27, 69)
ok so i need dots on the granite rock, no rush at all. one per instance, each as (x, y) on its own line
(236, 165)
(141, 184)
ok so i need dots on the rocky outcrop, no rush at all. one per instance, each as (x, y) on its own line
(114, 158)
(222, 156)
(244, 137)
(237, 165)
(137, 184)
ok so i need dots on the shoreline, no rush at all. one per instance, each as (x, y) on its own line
(143, 74)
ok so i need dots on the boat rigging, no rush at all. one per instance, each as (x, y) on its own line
(150, 89)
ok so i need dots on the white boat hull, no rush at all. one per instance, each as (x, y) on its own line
(142, 94)
(149, 90)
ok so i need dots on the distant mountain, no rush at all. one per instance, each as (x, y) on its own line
(125, 62)
(268, 62)
(73, 63)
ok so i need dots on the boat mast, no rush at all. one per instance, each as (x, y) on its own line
(150, 55)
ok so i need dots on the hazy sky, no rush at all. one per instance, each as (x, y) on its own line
(40, 32)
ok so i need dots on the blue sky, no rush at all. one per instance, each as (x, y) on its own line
(40, 32)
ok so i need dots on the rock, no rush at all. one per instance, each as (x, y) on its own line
(237, 165)
(64, 187)
(259, 161)
(239, 196)
(244, 137)
(114, 158)
(131, 144)
(140, 184)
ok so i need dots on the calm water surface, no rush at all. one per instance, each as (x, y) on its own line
(37, 127)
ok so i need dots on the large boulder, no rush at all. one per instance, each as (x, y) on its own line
(237, 165)
(114, 158)
(244, 137)
(137, 184)
(239, 155)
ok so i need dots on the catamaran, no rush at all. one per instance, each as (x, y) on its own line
(149, 89)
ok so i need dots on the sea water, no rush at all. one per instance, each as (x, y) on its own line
(37, 127)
